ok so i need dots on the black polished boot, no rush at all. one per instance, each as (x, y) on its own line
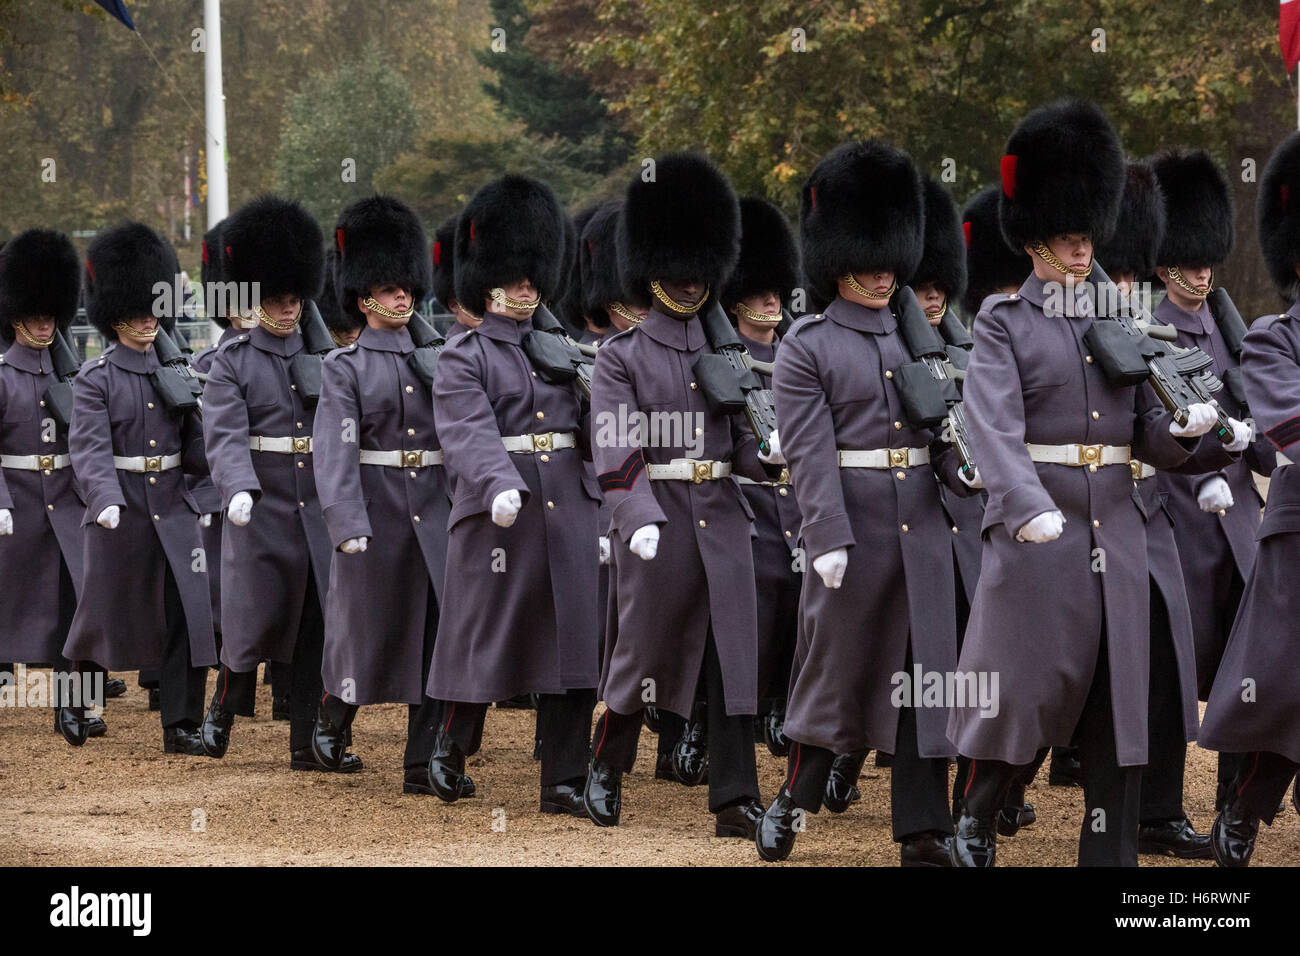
(182, 740)
(305, 758)
(447, 769)
(114, 687)
(774, 734)
(564, 798)
(1176, 838)
(975, 842)
(215, 730)
(650, 717)
(664, 767)
(96, 727)
(603, 794)
(842, 784)
(329, 749)
(925, 849)
(780, 824)
(739, 820)
(281, 709)
(73, 724)
(1013, 817)
(1065, 770)
(1232, 839)
(691, 756)
(416, 780)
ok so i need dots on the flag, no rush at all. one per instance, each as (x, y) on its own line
(1288, 33)
(117, 9)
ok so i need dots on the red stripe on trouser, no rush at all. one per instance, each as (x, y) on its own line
(1250, 776)
(450, 714)
(604, 729)
(798, 757)
(225, 677)
(970, 778)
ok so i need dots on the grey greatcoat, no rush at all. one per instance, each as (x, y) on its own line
(1212, 546)
(524, 617)
(1255, 702)
(1041, 610)
(832, 394)
(660, 611)
(119, 622)
(376, 610)
(205, 493)
(265, 563)
(46, 512)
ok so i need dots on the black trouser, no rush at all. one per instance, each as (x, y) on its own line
(733, 771)
(1262, 781)
(181, 686)
(563, 725)
(671, 728)
(237, 690)
(1162, 777)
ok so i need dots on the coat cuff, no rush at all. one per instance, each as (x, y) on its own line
(243, 482)
(634, 512)
(347, 519)
(101, 499)
(826, 534)
(1022, 504)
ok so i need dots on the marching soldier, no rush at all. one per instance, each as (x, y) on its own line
(605, 305)
(682, 604)
(343, 326)
(258, 422)
(1213, 501)
(444, 278)
(755, 295)
(144, 601)
(1054, 439)
(523, 517)
(1254, 705)
(991, 265)
(1172, 716)
(881, 597)
(40, 509)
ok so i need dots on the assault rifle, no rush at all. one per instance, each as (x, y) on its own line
(728, 379)
(1233, 330)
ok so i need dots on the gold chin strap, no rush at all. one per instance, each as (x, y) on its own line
(943, 310)
(30, 339)
(758, 318)
(618, 308)
(468, 314)
(1177, 278)
(370, 303)
(519, 305)
(862, 290)
(260, 314)
(337, 341)
(672, 305)
(1050, 257)
(130, 331)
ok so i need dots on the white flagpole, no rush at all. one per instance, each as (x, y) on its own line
(214, 103)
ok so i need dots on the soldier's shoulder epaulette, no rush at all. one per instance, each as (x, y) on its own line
(1267, 321)
(234, 342)
(624, 335)
(995, 299)
(453, 343)
(805, 322)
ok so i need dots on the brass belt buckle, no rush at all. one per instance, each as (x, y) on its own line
(45, 462)
(153, 464)
(703, 470)
(542, 442)
(412, 458)
(898, 457)
(302, 446)
(1089, 454)
(1135, 467)
(784, 478)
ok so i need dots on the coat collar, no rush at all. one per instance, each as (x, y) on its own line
(502, 328)
(291, 344)
(1049, 296)
(129, 360)
(685, 336)
(386, 340)
(851, 315)
(27, 359)
(1200, 322)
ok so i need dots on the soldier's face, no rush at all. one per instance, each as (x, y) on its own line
(141, 323)
(522, 290)
(765, 303)
(38, 326)
(1073, 248)
(348, 337)
(1198, 277)
(932, 299)
(687, 294)
(620, 323)
(1124, 281)
(392, 297)
(284, 309)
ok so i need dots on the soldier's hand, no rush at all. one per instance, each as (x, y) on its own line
(109, 517)
(241, 508)
(975, 481)
(205, 521)
(505, 508)
(1200, 419)
(645, 542)
(604, 549)
(1042, 528)
(7, 522)
(1214, 496)
(1242, 436)
(353, 545)
(830, 567)
(773, 454)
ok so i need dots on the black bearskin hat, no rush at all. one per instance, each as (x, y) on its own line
(769, 255)
(123, 266)
(40, 274)
(276, 243)
(861, 210)
(1198, 209)
(943, 259)
(335, 319)
(212, 258)
(681, 225)
(1140, 226)
(380, 241)
(602, 282)
(513, 228)
(444, 262)
(1063, 172)
(991, 264)
(570, 309)
(1277, 213)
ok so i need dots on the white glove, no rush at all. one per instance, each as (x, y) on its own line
(830, 566)
(108, 518)
(241, 508)
(1242, 436)
(1215, 496)
(505, 507)
(773, 455)
(604, 549)
(6, 522)
(205, 521)
(353, 545)
(1042, 528)
(645, 542)
(975, 482)
(1200, 419)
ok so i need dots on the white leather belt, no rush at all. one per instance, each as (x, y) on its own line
(547, 441)
(1141, 469)
(1076, 456)
(143, 463)
(689, 469)
(884, 457)
(783, 480)
(283, 446)
(1283, 459)
(35, 462)
(401, 459)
